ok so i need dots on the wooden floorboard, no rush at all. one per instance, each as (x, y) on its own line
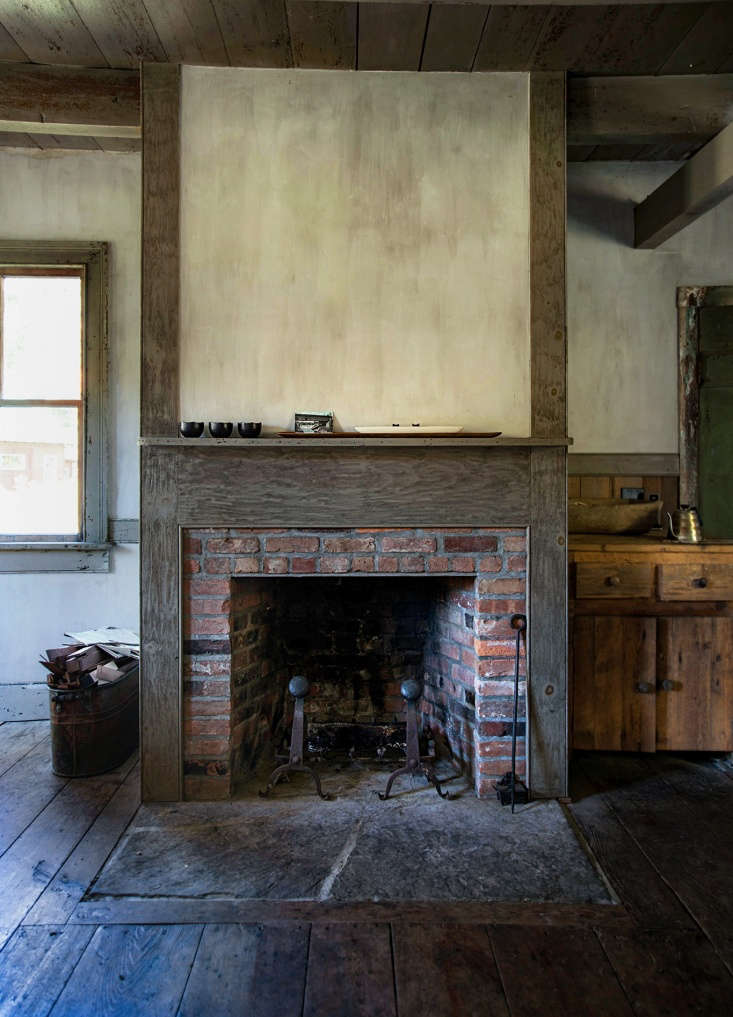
(670, 973)
(17, 738)
(257, 970)
(66, 889)
(563, 972)
(658, 826)
(36, 964)
(446, 969)
(131, 971)
(350, 972)
(29, 865)
(137, 911)
(26, 788)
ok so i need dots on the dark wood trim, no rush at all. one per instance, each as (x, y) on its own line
(623, 464)
(548, 344)
(362, 441)
(646, 110)
(69, 95)
(689, 300)
(160, 685)
(698, 185)
(161, 103)
(547, 706)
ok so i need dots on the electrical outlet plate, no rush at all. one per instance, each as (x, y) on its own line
(632, 493)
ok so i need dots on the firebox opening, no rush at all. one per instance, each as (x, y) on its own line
(356, 640)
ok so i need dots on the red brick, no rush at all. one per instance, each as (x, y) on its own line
(386, 564)
(424, 544)
(437, 563)
(470, 543)
(339, 563)
(191, 566)
(500, 667)
(233, 545)
(490, 728)
(199, 666)
(412, 563)
(495, 627)
(516, 563)
(464, 675)
(207, 726)
(488, 587)
(209, 626)
(205, 706)
(493, 648)
(198, 745)
(348, 545)
(492, 564)
(515, 543)
(494, 748)
(493, 709)
(362, 563)
(290, 545)
(450, 650)
(496, 606)
(462, 565)
(191, 545)
(209, 606)
(468, 658)
(218, 565)
(246, 565)
(208, 687)
(303, 565)
(276, 566)
(207, 587)
(499, 688)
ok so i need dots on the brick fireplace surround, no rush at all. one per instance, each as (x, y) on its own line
(234, 703)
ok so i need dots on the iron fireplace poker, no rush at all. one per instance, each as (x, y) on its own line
(510, 790)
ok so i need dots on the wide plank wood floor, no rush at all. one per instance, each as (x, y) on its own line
(659, 826)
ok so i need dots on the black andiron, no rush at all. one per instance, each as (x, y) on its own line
(298, 688)
(411, 691)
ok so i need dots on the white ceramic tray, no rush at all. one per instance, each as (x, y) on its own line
(407, 429)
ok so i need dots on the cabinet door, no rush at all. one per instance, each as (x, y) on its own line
(695, 684)
(613, 683)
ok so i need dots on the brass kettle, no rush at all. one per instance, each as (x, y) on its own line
(684, 525)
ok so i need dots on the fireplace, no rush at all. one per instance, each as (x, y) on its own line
(356, 611)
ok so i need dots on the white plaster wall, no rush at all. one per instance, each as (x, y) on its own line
(355, 242)
(622, 316)
(81, 196)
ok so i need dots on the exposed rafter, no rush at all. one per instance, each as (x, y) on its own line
(699, 185)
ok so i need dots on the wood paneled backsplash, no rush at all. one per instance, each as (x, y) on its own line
(609, 487)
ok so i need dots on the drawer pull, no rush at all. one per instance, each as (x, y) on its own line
(644, 687)
(665, 685)
(612, 581)
(700, 583)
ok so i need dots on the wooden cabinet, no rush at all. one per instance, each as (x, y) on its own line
(651, 645)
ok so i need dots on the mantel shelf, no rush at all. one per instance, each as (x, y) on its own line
(347, 442)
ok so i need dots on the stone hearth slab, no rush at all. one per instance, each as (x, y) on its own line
(294, 847)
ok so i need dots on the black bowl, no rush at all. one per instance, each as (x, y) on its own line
(190, 429)
(249, 429)
(218, 429)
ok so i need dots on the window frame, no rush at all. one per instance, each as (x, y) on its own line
(91, 552)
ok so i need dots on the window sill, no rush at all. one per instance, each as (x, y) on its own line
(54, 557)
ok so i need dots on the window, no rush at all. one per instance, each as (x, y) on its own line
(53, 514)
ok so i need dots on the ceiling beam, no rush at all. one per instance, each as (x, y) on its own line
(647, 110)
(699, 185)
(69, 100)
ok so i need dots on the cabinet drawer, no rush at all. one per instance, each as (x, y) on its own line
(625, 580)
(696, 582)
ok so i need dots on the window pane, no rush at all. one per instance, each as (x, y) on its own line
(39, 471)
(41, 337)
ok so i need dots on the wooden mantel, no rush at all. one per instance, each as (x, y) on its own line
(370, 481)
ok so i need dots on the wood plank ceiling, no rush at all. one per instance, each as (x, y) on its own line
(648, 39)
